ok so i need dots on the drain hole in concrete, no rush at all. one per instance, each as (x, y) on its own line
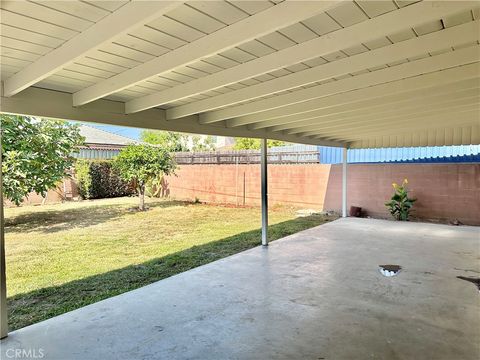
(475, 281)
(389, 270)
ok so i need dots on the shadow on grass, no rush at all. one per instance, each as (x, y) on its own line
(52, 221)
(38, 305)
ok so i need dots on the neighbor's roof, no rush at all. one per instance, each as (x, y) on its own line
(356, 73)
(94, 136)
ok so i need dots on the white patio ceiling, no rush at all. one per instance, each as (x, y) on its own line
(340, 73)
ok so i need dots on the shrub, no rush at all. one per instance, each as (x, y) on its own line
(83, 178)
(400, 204)
(98, 179)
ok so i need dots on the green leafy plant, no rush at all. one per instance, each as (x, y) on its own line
(83, 178)
(199, 143)
(177, 142)
(400, 204)
(153, 187)
(36, 154)
(142, 164)
(97, 179)
(169, 140)
(254, 144)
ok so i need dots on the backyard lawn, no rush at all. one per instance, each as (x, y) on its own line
(64, 256)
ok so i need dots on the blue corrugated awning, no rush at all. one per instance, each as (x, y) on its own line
(444, 159)
(438, 154)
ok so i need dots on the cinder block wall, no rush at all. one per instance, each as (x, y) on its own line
(299, 185)
(444, 191)
(66, 190)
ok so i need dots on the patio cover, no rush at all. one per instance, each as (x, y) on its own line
(338, 73)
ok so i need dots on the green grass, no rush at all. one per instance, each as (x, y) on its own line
(61, 257)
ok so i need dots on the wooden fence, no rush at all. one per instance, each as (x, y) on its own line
(247, 157)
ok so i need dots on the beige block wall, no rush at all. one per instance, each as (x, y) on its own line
(444, 191)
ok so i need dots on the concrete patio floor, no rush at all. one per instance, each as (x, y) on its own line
(317, 294)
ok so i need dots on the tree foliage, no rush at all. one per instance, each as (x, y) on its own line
(169, 140)
(143, 164)
(254, 144)
(36, 154)
(176, 142)
(199, 143)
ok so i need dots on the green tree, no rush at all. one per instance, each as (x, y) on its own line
(169, 140)
(254, 144)
(199, 143)
(36, 154)
(143, 164)
(176, 142)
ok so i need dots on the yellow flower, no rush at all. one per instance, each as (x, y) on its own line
(394, 185)
(405, 181)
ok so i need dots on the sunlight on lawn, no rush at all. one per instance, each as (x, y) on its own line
(61, 257)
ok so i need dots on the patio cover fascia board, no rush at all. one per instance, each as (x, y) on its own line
(58, 105)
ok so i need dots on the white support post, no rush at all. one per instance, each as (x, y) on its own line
(264, 193)
(344, 183)
(3, 283)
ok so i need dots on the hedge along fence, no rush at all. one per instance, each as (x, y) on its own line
(96, 179)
